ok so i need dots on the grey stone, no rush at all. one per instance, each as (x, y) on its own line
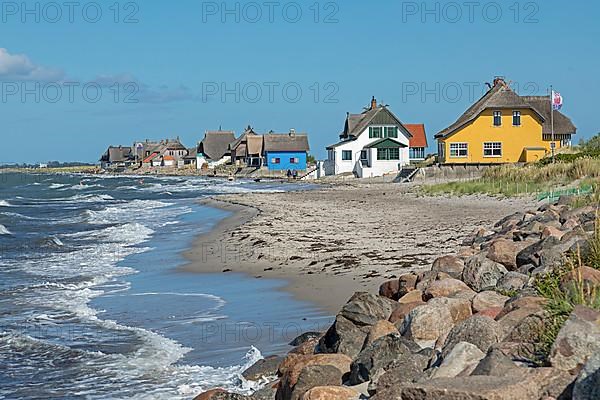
(482, 273)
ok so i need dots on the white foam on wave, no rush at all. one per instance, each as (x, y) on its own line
(4, 230)
(17, 215)
(91, 198)
(57, 185)
(4, 203)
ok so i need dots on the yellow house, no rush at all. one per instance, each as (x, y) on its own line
(503, 127)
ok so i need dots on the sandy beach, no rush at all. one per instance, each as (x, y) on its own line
(330, 242)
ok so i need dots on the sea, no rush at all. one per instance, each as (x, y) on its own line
(94, 303)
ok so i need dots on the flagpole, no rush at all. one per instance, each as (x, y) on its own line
(552, 120)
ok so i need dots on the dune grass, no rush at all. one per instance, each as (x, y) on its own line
(513, 180)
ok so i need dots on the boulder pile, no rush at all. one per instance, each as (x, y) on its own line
(468, 328)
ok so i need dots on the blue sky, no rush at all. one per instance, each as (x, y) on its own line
(172, 61)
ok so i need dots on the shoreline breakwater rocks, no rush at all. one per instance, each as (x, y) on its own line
(471, 327)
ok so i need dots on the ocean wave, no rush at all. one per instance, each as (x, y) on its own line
(92, 198)
(17, 215)
(57, 185)
(4, 230)
(4, 203)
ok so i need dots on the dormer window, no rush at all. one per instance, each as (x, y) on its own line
(390, 132)
(497, 118)
(516, 118)
(375, 132)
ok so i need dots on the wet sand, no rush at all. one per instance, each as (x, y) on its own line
(329, 243)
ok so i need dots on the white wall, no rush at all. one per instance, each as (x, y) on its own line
(337, 166)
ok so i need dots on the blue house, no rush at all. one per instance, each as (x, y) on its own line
(287, 151)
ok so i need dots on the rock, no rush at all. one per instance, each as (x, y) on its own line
(402, 310)
(407, 283)
(496, 363)
(585, 278)
(450, 265)
(523, 324)
(331, 393)
(444, 288)
(462, 356)
(570, 224)
(425, 324)
(306, 348)
(481, 331)
(383, 354)
(218, 394)
(526, 301)
(267, 393)
(533, 384)
(263, 368)
(504, 251)
(305, 337)
(512, 281)
(488, 299)
(292, 370)
(390, 289)
(587, 385)
(411, 297)
(343, 337)
(531, 254)
(577, 340)
(490, 312)
(552, 231)
(380, 329)
(366, 309)
(309, 377)
(426, 278)
(460, 309)
(517, 351)
(482, 273)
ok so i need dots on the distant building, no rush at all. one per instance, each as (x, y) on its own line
(247, 150)
(503, 127)
(373, 143)
(214, 149)
(118, 157)
(287, 151)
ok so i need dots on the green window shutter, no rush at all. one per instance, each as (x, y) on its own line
(370, 132)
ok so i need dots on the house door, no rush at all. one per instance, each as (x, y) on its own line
(364, 159)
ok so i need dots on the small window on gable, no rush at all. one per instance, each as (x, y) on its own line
(497, 118)
(516, 118)
(346, 155)
(375, 132)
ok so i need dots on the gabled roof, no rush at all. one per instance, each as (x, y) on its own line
(357, 123)
(174, 145)
(192, 152)
(419, 138)
(385, 143)
(501, 96)
(169, 158)
(215, 144)
(286, 142)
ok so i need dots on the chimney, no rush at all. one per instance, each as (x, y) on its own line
(292, 132)
(373, 103)
(499, 80)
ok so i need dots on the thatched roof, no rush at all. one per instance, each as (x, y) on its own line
(501, 96)
(562, 124)
(116, 154)
(286, 142)
(215, 144)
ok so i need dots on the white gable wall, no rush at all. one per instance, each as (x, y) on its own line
(335, 164)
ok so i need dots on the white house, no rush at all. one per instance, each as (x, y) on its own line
(374, 143)
(214, 150)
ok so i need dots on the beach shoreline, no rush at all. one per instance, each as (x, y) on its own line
(297, 237)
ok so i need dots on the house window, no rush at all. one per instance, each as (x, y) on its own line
(375, 132)
(516, 118)
(346, 155)
(363, 155)
(492, 149)
(390, 131)
(275, 160)
(497, 118)
(294, 160)
(459, 149)
(417, 152)
(388, 154)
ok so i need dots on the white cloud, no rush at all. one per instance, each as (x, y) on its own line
(20, 67)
